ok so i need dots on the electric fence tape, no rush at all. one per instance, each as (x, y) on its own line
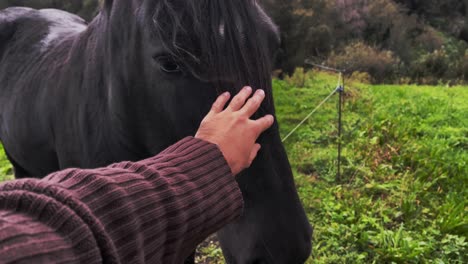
(338, 88)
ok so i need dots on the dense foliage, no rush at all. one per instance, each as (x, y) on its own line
(419, 41)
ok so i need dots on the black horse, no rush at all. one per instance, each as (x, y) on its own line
(138, 78)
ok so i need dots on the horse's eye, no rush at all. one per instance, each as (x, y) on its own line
(168, 65)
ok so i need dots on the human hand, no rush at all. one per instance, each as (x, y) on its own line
(233, 130)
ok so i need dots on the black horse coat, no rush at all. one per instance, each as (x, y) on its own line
(137, 79)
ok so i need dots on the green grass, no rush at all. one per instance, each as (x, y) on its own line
(403, 194)
(6, 172)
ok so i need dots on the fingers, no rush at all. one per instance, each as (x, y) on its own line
(239, 100)
(254, 103)
(220, 102)
(263, 123)
(253, 153)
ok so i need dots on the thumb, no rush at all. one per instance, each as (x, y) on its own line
(253, 154)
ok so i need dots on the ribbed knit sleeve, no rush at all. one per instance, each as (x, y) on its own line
(153, 211)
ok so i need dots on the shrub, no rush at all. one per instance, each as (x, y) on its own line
(461, 68)
(430, 67)
(359, 57)
(361, 77)
(430, 40)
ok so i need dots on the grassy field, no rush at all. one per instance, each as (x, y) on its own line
(6, 172)
(403, 194)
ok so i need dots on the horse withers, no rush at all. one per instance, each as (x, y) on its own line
(138, 78)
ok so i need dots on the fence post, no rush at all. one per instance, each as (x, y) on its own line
(340, 90)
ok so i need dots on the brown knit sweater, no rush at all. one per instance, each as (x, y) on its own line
(153, 211)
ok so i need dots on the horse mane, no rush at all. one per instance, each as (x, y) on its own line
(216, 40)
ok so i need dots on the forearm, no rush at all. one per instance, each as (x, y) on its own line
(156, 210)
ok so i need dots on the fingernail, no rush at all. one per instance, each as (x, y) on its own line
(261, 92)
(271, 119)
(248, 88)
(225, 94)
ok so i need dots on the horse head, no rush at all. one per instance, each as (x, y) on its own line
(167, 62)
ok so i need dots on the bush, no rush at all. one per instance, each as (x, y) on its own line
(462, 67)
(361, 77)
(430, 67)
(359, 57)
(430, 40)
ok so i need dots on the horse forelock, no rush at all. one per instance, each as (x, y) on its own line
(218, 41)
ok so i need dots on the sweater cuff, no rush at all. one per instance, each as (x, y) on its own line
(203, 180)
(199, 161)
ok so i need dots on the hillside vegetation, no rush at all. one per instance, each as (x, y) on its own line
(395, 41)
